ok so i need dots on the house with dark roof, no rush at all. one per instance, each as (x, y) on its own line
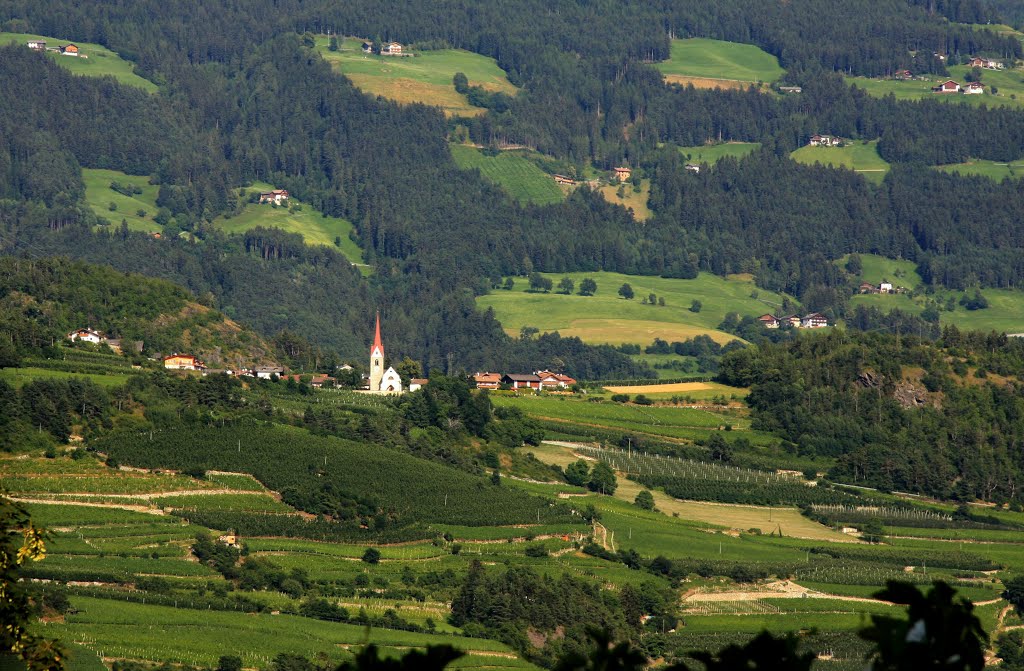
(521, 381)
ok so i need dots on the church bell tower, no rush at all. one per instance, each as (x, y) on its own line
(376, 359)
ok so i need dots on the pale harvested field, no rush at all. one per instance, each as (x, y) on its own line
(674, 388)
(408, 91)
(618, 331)
(740, 518)
(707, 82)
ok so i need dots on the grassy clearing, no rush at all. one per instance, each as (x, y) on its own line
(513, 172)
(714, 59)
(711, 153)
(315, 227)
(101, 62)
(1010, 85)
(1004, 314)
(99, 196)
(984, 168)
(635, 201)
(160, 633)
(19, 376)
(424, 78)
(607, 318)
(861, 157)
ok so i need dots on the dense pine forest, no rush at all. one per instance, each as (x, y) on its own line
(244, 98)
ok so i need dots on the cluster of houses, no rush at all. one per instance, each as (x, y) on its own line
(98, 338)
(63, 50)
(951, 86)
(986, 63)
(880, 288)
(386, 49)
(537, 381)
(825, 141)
(277, 196)
(815, 320)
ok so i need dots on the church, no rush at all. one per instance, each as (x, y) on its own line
(381, 381)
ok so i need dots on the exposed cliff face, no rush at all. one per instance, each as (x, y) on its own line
(908, 393)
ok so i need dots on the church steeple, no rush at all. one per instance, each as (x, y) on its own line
(376, 359)
(378, 346)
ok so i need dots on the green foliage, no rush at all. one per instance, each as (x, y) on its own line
(602, 479)
(644, 500)
(371, 556)
(626, 291)
(578, 473)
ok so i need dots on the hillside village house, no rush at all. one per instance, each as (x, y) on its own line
(86, 335)
(276, 196)
(974, 88)
(391, 49)
(768, 321)
(417, 383)
(885, 288)
(825, 141)
(183, 362)
(867, 288)
(521, 381)
(69, 50)
(948, 86)
(487, 380)
(367, 47)
(549, 380)
(693, 167)
(37, 45)
(790, 89)
(792, 320)
(267, 372)
(815, 320)
(987, 63)
(903, 74)
(562, 179)
(623, 174)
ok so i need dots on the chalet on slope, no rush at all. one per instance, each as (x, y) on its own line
(267, 372)
(521, 381)
(276, 196)
(825, 141)
(974, 88)
(948, 86)
(562, 179)
(867, 288)
(903, 74)
(987, 63)
(549, 380)
(623, 174)
(792, 320)
(768, 321)
(417, 383)
(391, 49)
(69, 50)
(790, 89)
(885, 288)
(183, 362)
(86, 335)
(693, 167)
(815, 320)
(37, 45)
(367, 47)
(487, 380)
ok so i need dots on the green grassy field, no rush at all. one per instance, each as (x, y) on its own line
(714, 59)
(424, 78)
(99, 196)
(985, 168)
(19, 376)
(861, 157)
(1005, 311)
(101, 61)
(1010, 85)
(162, 633)
(313, 226)
(711, 153)
(513, 172)
(607, 318)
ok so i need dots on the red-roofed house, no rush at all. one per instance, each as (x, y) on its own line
(183, 362)
(86, 335)
(275, 196)
(948, 86)
(549, 380)
(487, 380)
(768, 321)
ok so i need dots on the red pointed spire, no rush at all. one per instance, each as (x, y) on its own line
(378, 346)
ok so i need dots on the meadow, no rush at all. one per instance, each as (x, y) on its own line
(425, 77)
(19, 376)
(606, 317)
(861, 157)
(712, 153)
(985, 168)
(1004, 314)
(137, 210)
(709, 63)
(513, 172)
(101, 62)
(1010, 85)
(315, 228)
(635, 201)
